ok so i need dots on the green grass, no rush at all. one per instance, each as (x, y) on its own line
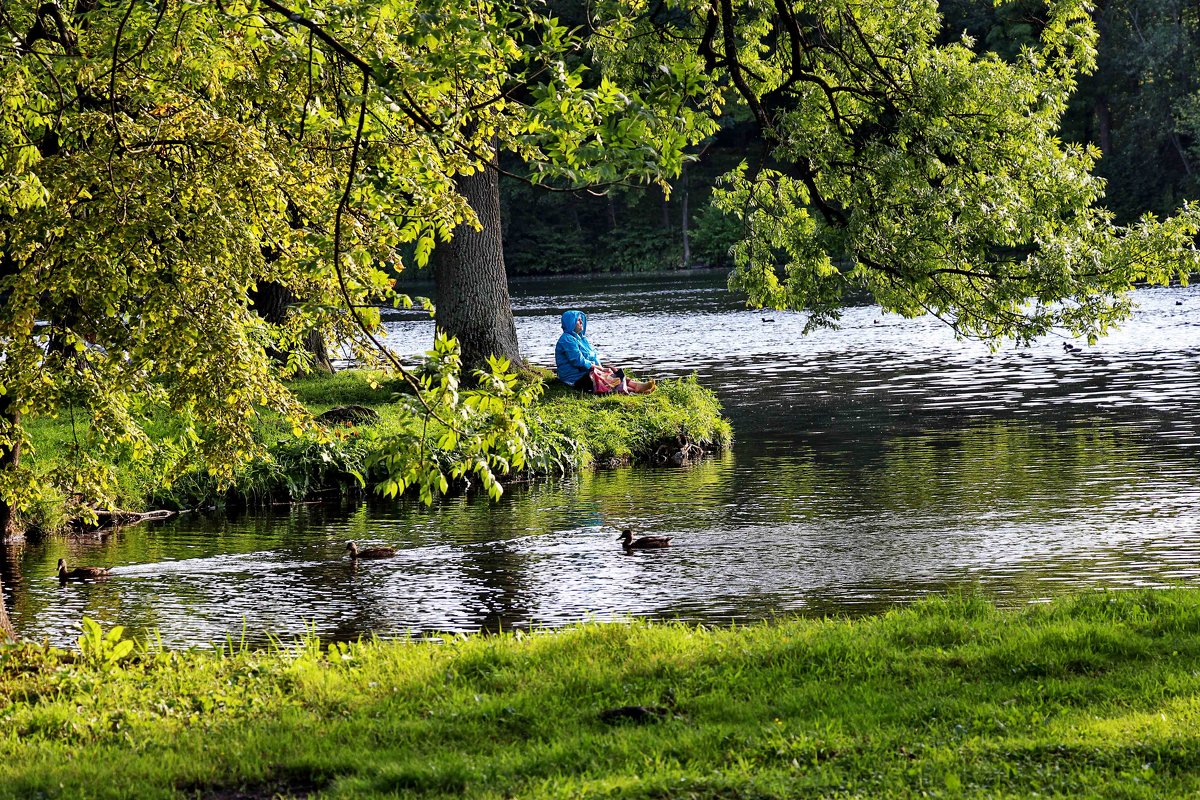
(1092, 696)
(596, 431)
(630, 428)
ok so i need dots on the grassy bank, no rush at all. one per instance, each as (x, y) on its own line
(569, 429)
(1095, 696)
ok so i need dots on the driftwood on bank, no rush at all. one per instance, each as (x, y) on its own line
(117, 518)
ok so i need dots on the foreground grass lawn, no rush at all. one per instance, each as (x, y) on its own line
(1097, 695)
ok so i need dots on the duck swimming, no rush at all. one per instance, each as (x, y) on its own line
(643, 542)
(370, 552)
(80, 573)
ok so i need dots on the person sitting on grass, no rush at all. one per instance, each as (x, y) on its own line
(579, 364)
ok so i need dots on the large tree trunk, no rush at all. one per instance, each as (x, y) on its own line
(9, 459)
(472, 288)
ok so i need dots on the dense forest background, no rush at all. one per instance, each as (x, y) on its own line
(1141, 107)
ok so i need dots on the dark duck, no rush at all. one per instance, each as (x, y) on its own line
(370, 552)
(643, 542)
(79, 573)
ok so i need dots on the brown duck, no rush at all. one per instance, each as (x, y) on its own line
(370, 552)
(643, 542)
(81, 573)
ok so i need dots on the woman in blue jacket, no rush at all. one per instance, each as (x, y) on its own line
(579, 364)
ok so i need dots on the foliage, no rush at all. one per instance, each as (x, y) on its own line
(920, 171)
(159, 162)
(1134, 106)
(642, 249)
(547, 232)
(1145, 83)
(625, 230)
(1141, 107)
(715, 236)
(104, 650)
(553, 434)
(631, 427)
(1085, 696)
(478, 432)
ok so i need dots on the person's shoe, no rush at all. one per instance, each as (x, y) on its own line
(648, 387)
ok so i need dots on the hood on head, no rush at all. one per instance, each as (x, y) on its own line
(569, 318)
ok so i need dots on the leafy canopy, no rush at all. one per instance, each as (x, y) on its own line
(926, 175)
(159, 161)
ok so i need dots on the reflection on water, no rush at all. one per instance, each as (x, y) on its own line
(873, 464)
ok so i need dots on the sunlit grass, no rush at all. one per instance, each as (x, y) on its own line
(1088, 696)
(617, 427)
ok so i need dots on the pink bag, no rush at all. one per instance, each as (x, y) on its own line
(604, 381)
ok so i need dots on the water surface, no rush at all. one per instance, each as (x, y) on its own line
(873, 464)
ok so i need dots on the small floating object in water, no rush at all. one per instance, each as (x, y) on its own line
(642, 542)
(1178, 302)
(1070, 348)
(768, 319)
(370, 552)
(80, 573)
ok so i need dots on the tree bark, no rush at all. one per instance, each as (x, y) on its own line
(472, 298)
(10, 457)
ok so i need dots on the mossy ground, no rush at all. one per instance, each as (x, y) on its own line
(1092, 696)
(599, 430)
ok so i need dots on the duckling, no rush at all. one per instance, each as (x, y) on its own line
(82, 573)
(370, 552)
(642, 542)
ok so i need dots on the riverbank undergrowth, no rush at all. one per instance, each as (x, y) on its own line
(1091, 696)
(569, 430)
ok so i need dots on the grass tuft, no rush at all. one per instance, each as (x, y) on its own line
(632, 427)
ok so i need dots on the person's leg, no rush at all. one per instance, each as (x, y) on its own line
(631, 386)
(641, 387)
(584, 384)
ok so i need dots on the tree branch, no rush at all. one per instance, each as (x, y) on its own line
(349, 56)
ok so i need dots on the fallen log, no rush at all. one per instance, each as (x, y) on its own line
(118, 518)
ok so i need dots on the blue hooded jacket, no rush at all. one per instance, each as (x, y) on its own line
(574, 354)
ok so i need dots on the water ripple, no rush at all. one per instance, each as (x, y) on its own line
(874, 464)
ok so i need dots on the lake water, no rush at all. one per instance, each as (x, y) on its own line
(873, 464)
